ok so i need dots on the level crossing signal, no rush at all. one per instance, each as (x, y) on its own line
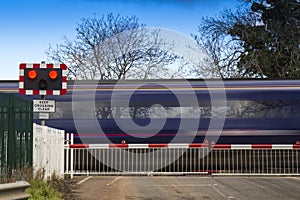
(42, 79)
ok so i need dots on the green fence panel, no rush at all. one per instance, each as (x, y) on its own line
(16, 123)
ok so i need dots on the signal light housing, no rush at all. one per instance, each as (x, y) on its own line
(53, 74)
(43, 79)
(43, 84)
(32, 74)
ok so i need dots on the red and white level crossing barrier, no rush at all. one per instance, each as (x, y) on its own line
(255, 146)
(138, 146)
(186, 146)
(184, 158)
(24, 66)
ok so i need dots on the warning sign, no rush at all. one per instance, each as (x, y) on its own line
(45, 106)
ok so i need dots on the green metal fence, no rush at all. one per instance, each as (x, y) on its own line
(15, 133)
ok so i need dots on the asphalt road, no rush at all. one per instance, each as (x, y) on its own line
(187, 187)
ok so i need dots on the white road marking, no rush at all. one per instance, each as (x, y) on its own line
(214, 187)
(87, 178)
(219, 192)
(172, 185)
(112, 182)
(297, 178)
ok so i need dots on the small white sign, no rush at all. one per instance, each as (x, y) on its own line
(45, 106)
(43, 115)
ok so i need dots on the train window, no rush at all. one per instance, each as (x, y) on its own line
(265, 109)
(233, 109)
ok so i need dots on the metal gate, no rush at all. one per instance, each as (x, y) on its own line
(137, 159)
(175, 159)
(15, 133)
(256, 159)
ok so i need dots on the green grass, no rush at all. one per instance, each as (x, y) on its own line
(41, 187)
(42, 190)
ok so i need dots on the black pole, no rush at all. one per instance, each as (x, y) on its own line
(43, 121)
(43, 97)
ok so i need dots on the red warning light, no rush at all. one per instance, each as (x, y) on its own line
(32, 74)
(53, 74)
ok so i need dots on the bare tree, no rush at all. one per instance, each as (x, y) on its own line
(224, 49)
(260, 39)
(113, 47)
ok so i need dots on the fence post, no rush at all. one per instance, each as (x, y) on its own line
(61, 153)
(72, 157)
(11, 153)
(66, 150)
(2, 137)
(29, 132)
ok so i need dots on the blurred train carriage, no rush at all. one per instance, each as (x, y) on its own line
(255, 111)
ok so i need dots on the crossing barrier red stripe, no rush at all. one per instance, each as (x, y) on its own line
(296, 146)
(197, 145)
(79, 146)
(118, 145)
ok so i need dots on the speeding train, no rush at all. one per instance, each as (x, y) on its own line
(229, 111)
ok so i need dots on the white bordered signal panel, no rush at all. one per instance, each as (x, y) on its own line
(42, 79)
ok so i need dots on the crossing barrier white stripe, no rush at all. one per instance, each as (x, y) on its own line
(173, 145)
(98, 146)
(221, 146)
(241, 146)
(282, 146)
(137, 146)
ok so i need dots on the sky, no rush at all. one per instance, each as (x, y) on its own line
(28, 27)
